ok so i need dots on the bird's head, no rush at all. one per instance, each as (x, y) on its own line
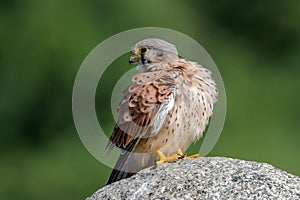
(152, 50)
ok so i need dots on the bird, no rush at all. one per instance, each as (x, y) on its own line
(167, 107)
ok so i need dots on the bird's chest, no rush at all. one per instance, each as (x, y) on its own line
(188, 119)
(184, 123)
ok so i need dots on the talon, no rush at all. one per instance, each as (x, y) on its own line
(180, 154)
(163, 158)
(184, 155)
(174, 157)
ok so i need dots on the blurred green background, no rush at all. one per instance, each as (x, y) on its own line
(255, 44)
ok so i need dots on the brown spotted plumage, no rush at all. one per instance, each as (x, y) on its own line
(167, 106)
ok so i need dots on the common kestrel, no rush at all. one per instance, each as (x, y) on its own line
(167, 106)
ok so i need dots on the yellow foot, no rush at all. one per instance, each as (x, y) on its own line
(182, 155)
(163, 158)
(174, 157)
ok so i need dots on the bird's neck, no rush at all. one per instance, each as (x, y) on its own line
(141, 68)
(153, 66)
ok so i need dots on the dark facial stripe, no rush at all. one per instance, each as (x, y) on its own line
(143, 58)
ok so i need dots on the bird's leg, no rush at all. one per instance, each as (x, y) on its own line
(163, 158)
(174, 157)
(182, 155)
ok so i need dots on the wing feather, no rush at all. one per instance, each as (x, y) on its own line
(144, 108)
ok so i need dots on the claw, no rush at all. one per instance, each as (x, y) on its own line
(180, 154)
(174, 157)
(184, 155)
(163, 158)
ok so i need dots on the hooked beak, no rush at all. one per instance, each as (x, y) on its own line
(133, 58)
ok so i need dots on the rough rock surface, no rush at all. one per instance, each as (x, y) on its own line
(205, 178)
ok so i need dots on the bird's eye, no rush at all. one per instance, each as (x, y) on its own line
(143, 50)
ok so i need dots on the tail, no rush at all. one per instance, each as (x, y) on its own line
(119, 172)
(117, 175)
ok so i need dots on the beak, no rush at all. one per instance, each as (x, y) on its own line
(133, 58)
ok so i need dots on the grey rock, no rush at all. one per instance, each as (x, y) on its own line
(205, 178)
